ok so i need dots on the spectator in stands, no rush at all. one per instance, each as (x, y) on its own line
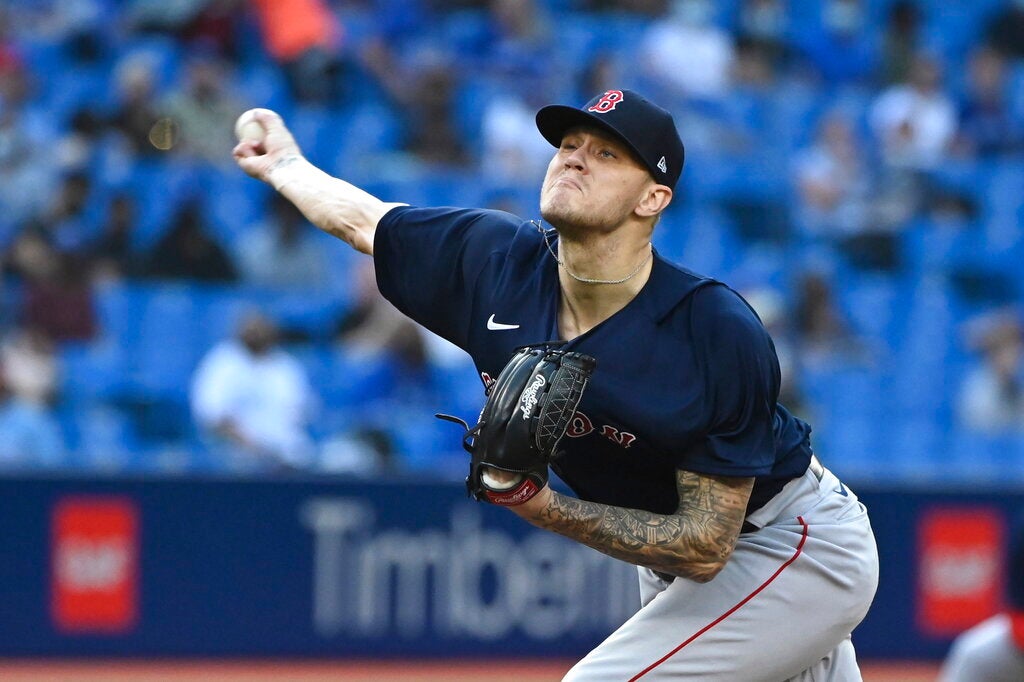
(601, 73)
(56, 295)
(113, 253)
(161, 17)
(373, 326)
(1005, 29)
(304, 37)
(832, 180)
(66, 221)
(511, 153)
(77, 26)
(650, 8)
(822, 332)
(841, 50)
(281, 252)
(76, 150)
(991, 399)
(686, 53)
(27, 167)
(424, 91)
(14, 74)
(30, 436)
(988, 124)
(520, 31)
(946, 230)
(189, 251)
(29, 365)
(754, 68)
(900, 42)
(915, 121)
(216, 27)
(28, 173)
(253, 401)
(373, 333)
(203, 109)
(771, 307)
(136, 110)
(743, 116)
(762, 25)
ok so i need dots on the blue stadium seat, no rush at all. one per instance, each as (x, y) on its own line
(427, 446)
(159, 187)
(701, 239)
(872, 303)
(952, 28)
(96, 371)
(264, 85)
(233, 203)
(458, 389)
(101, 435)
(356, 382)
(169, 343)
(849, 413)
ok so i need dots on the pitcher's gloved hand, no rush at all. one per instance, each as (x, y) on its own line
(527, 412)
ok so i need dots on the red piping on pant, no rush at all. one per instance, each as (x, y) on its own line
(766, 583)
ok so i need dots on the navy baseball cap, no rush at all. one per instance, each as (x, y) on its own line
(645, 127)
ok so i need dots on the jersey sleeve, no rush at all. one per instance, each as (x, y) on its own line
(741, 387)
(428, 261)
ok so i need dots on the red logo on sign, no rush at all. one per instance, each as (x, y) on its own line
(1017, 628)
(94, 564)
(607, 102)
(959, 577)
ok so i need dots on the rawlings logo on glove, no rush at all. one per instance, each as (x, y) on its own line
(529, 402)
(546, 386)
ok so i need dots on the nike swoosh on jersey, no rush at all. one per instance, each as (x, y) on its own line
(498, 326)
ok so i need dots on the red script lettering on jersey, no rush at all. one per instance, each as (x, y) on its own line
(581, 425)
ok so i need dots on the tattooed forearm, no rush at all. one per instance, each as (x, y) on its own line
(694, 543)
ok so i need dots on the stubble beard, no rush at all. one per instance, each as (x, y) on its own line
(576, 223)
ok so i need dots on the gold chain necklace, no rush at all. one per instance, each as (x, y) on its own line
(587, 280)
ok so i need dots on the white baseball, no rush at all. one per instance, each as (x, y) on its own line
(248, 128)
(495, 483)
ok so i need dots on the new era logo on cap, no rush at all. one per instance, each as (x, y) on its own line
(645, 127)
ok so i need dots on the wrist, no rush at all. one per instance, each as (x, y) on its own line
(285, 170)
(533, 508)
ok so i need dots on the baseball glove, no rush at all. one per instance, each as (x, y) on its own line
(527, 412)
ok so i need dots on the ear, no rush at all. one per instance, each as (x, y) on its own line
(655, 199)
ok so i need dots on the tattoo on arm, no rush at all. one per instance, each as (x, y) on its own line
(694, 543)
(279, 182)
(283, 162)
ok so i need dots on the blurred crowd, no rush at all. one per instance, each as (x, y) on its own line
(854, 167)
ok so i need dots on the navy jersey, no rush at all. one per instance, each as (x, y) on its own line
(687, 377)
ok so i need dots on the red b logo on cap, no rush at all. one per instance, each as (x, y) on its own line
(607, 102)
